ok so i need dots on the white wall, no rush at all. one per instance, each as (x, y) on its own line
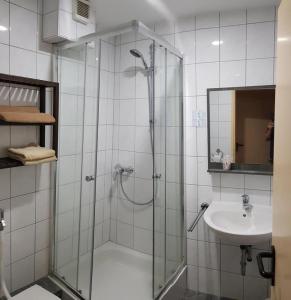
(25, 191)
(247, 57)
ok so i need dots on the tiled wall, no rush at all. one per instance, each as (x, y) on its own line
(246, 57)
(220, 124)
(132, 225)
(25, 191)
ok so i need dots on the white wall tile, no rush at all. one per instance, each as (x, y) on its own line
(190, 80)
(42, 235)
(4, 184)
(259, 197)
(185, 24)
(143, 240)
(209, 255)
(207, 77)
(124, 234)
(233, 42)
(258, 182)
(29, 4)
(260, 40)
(22, 62)
(44, 67)
(207, 20)
(185, 42)
(22, 180)
(255, 288)
(209, 281)
(4, 58)
(43, 205)
(4, 17)
(236, 17)
(23, 24)
(42, 263)
(22, 273)
(230, 259)
(232, 73)
(228, 180)
(192, 277)
(43, 176)
(230, 194)
(205, 50)
(231, 286)
(164, 27)
(22, 211)
(260, 72)
(22, 243)
(261, 14)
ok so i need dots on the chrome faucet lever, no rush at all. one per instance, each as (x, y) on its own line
(246, 203)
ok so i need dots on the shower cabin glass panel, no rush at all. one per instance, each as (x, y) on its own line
(75, 190)
(122, 96)
(175, 230)
(169, 229)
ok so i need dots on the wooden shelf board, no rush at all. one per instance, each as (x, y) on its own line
(3, 123)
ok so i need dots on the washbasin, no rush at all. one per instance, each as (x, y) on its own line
(232, 223)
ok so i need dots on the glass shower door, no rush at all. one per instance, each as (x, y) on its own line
(169, 235)
(175, 229)
(74, 209)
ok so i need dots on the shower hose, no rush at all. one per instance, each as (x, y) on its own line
(121, 172)
(129, 171)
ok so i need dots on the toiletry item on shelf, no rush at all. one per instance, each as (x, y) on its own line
(32, 154)
(217, 156)
(226, 162)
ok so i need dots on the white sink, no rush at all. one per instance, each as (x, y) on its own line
(231, 223)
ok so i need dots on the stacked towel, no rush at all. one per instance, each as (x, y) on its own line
(32, 155)
(25, 114)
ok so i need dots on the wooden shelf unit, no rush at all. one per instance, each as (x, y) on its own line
(41, 85)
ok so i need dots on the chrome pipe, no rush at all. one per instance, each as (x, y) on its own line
(203, 208)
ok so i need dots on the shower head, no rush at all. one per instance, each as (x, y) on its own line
(138, 54)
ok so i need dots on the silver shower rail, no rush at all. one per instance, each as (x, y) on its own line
(134, 25)
(204, 206)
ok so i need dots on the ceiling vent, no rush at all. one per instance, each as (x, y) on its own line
(81, 9)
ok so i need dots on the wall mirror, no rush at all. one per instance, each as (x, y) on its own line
(241, 129)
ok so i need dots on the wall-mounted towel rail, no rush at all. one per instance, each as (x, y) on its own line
(203, 208)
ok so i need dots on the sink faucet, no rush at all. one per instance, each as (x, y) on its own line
(246, 203)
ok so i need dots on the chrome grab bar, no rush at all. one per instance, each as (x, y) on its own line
(204, 206)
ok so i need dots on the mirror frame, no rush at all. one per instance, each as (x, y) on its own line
(214, 167)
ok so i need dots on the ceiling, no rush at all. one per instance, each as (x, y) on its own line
(113, 12)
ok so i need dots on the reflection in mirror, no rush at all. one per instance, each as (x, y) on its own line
(241, 128)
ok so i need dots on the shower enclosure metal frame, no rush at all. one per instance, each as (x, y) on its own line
(137, 27)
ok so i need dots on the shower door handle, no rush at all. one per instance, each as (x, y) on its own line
(89, 178)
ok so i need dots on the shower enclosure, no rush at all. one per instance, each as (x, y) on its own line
(119, 230)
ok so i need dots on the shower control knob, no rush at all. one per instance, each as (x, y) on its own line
(89, 178)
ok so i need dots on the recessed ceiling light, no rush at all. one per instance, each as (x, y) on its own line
(3, 28)
(217, 43)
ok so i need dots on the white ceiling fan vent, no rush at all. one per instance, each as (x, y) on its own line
(81, 10)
